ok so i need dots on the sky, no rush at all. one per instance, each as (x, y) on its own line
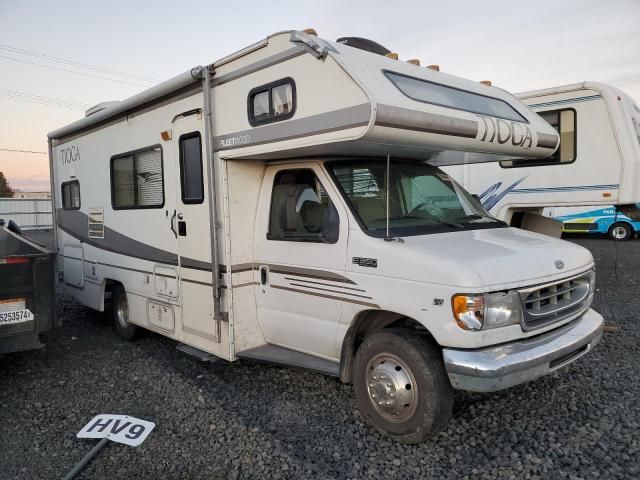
(518, 46)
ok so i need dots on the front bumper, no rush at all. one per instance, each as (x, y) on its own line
(502, 366)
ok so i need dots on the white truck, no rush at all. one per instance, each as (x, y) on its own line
(596, 165)
(284, 204)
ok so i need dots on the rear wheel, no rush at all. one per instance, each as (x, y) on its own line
(120, 307)
(620, 231)
(401, 386)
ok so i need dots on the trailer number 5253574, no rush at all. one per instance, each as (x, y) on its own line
(17, 316)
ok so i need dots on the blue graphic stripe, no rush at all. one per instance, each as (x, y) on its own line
(564, 102)
(567, 189)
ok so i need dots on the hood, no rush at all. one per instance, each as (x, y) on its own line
(486, 260)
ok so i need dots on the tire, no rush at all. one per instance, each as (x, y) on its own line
(400, 367)
(620, 231)
(120, 308)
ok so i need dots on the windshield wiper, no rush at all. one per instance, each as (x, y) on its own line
(475, 216)
(437, 220)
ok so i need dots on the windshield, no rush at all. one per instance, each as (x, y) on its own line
(422, 198)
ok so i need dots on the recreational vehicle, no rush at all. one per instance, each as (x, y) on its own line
(595, 220)
(285, 204)
(596, 165)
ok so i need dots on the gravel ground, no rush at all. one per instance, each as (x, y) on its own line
(245, 420)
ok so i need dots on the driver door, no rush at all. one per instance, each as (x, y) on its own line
(301, 245)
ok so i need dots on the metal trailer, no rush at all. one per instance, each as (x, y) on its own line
(27, 295)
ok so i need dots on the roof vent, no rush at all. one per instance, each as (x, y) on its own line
(99, 107)
(363, 44)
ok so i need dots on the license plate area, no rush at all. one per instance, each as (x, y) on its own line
(14, 311)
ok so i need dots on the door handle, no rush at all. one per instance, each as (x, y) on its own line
(264, 275)
(173, 217)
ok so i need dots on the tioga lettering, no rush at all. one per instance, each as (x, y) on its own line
(503, 131)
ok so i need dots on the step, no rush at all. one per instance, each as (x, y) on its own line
(196, 352)
(285, 356)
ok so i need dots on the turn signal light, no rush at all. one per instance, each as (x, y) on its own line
(606, 194)
(414, 61)
(166, 135)
(392, 55)
(486, 82)
(434, 67)
(310, 31)
(468, 311)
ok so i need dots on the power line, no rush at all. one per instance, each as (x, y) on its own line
(51, 102)
(76, 64)
(72, 71)
(39, 98)
(21, 151)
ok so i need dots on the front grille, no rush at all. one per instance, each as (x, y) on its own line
(546, 304)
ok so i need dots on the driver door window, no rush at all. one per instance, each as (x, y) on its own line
(301, 210)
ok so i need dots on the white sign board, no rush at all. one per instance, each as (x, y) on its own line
(118, 428)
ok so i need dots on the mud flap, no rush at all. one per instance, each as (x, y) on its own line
(539, 224)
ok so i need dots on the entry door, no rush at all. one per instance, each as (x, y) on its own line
(301, 244)
(191, 224)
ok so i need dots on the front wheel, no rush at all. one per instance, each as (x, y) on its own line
(401, 386)
(620, 231)
(120, 306)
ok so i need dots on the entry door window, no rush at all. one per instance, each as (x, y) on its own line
(191, 180)
(301, 210)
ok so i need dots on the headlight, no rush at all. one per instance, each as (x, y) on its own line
(492, 310)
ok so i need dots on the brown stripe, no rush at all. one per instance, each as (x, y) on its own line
(240, 285)
(206, 284)
(324, 284)
(136, 270)
(125, 268)
(331, 297)
(546, 141)
(242, 267)
(329, 290)
(309, 273)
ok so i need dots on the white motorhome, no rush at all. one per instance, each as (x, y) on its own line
(284, 204)
(596, 164)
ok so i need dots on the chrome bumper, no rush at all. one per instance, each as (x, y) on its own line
(502, 366)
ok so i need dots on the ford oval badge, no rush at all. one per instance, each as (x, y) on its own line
(559, 264)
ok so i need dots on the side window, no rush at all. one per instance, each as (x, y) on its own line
(272, 102)
(137, 179)
(301, 210)
(191, 180)
(564, 121)
(71, 195)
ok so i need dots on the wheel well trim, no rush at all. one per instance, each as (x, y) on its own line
(363, 324)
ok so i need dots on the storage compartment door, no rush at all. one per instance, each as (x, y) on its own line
(73, 264)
